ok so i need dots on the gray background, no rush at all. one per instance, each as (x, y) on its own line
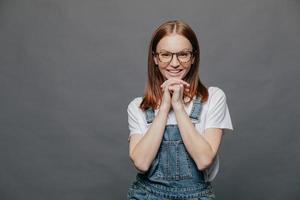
(68, 70)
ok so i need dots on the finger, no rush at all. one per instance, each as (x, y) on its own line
(171, 88)
(163, 85)
(179, 81)
(181, 87)
(185, 83)
(178, 84)
(176, 87)
(181, 90)
(175, 80)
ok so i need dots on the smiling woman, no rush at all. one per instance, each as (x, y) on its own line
(168, 46)
(177, 126)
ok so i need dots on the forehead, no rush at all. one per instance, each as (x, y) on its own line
(173, 43)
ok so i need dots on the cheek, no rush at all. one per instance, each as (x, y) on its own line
(162, 70)
(187, 70)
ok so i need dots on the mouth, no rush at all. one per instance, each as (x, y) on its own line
(174, 72)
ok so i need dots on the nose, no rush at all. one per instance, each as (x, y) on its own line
(174, 61)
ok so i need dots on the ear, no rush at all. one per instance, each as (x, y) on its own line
(155, 59)
(193, 60)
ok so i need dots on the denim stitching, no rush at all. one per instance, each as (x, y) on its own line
(177, 160)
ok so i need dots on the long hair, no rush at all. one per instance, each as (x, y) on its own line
(153, 92)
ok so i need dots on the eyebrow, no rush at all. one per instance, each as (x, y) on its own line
(178, 51)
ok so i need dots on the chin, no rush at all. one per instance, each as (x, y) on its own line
(169, 77)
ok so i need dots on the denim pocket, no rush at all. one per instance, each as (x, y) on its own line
(210, 196)
(137, 192)
(207, 198)
(174, 162)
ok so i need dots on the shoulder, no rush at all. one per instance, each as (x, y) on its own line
(216, 93)
(134, 103)
(214, 90)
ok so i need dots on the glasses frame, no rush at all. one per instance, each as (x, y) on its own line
(167, 63)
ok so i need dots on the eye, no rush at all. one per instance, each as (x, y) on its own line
(183, 54)
(165, 54)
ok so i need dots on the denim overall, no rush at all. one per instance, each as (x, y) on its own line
(173, 173)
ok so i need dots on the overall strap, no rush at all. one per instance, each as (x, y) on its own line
(196, 109)
(194, 115)
(149, 115)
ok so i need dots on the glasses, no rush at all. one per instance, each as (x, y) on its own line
(182, 56)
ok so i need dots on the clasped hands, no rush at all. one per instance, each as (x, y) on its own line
(173, 93)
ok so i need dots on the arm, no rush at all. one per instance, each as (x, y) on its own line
(202, 148)
(143, 149)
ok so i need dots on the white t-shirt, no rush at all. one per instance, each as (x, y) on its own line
(214, 114)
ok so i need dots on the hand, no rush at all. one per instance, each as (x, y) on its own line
(177, 95)
(173, 92)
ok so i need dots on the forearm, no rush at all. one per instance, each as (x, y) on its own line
(199, 149)
(145, 151)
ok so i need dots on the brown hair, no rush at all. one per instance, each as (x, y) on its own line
(153, 92)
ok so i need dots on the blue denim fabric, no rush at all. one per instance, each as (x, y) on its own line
(173, 173)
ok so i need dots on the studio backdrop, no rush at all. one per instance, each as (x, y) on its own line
(69, 68)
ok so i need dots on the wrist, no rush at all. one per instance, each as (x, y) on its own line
(178, 106)
(164, 108)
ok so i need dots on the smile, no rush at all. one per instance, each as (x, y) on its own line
(174, 72)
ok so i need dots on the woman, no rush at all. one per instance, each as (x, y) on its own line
(176, 128)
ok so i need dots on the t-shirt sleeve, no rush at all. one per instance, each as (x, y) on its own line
(218, 115)
(134, 119)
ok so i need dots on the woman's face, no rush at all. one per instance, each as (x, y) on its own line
(174, 68)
